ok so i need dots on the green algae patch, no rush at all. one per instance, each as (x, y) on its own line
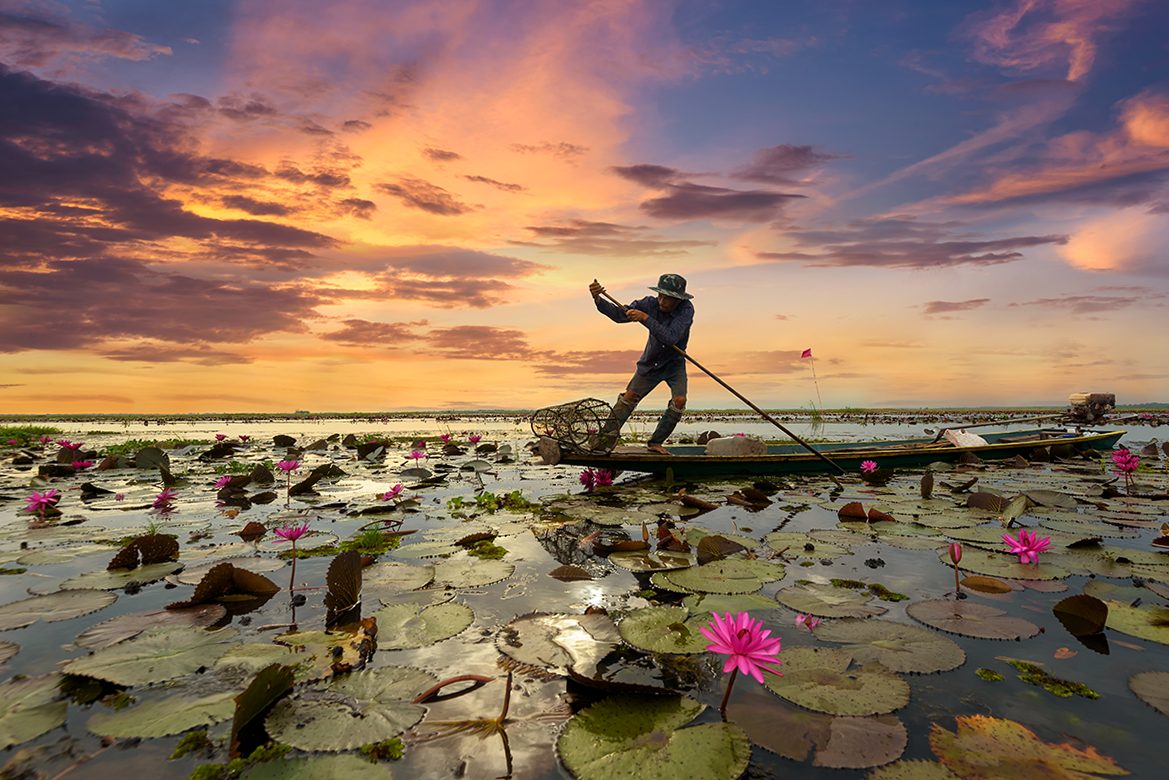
(876, 588)
(990, 675)
(387, 750)
(1034, 674)
(487, 550)
(193, 742)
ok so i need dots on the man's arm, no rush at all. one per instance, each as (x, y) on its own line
(606, 307)
(671, 334)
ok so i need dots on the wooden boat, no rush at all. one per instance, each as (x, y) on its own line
(691, 461)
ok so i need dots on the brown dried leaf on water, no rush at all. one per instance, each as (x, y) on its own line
(343, 598)
(145, 550)
(755, 496)
(1015, 508)
(1152, 688)
(927, 485)
(226, 582)
(715, 547)
(1082, 615)
(570, 573)
(269, 686)
(696, 502)
(990, 502)
(252, 531)
(852, 511)
(876, 515)
(962, 488)
(983, 746)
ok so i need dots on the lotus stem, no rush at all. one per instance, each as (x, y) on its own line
(722, 708)
(506, 699)
(438, 686)
(957, 583)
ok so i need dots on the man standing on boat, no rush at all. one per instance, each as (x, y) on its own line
(667, 318)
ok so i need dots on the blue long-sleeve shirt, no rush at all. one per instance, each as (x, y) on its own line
(666, 329)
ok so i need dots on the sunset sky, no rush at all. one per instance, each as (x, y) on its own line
(271, 205)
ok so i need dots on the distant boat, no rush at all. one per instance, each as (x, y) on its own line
(686, 461)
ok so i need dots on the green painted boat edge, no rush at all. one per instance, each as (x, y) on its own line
(690, 460)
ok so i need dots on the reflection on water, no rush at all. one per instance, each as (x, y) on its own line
(1116, 724)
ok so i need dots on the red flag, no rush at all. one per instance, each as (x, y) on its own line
(806, 353)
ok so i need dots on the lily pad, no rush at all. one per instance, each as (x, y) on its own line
(7, 651)
(155, 656)
(551, 644)
(1153, 689)
(356, 709)
(823, 680)
(404, 626)
(1004, 565)
(912, 769)
(967, 618)
(732, 575)
(648, 739)
(116, 579)
(837, 742)
(651, 560)
(51, 607)
(162, 717)
(391, 577)
(982, 746)
(470, 572)
(29, 707)
(896, 646)
(720, 602)
(824, 600)
(665, 630)
(124, 627)
(326, 767)
(798, 545)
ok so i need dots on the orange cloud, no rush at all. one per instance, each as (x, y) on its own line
(1126, 240)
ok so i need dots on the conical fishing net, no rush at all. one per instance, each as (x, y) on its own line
(575, 425)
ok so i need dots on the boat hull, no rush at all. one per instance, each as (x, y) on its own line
(686, 462)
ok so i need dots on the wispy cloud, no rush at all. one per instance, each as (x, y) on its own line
(607, 238)
(930, 308)
(423, 195)
(52, 39)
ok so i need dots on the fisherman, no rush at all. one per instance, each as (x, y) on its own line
(667, 318)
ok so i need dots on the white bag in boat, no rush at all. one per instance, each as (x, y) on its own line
(732, 446)
(961, 438)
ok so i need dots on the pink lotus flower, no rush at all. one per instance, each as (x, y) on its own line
(81, 465)
(220, 436)
(604, 477)
(808, 621)
(222, 481)
(291, 533)
(588, 478)
(162, 502)
(69, 445)
(46, 439)
(392, 493)
(446, 438)
(288, 466)
(955, 551)
(245, 438)
(868, 466)
(417, 455)
(474, 438)
(119, 496)
(1027, 546)
(13, 441)
(748, 646)
(1125, 462)
(40, 502)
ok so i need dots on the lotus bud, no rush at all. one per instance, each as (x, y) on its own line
(955, 552)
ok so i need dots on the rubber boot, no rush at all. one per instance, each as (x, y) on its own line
(606, 439)
(669, 420)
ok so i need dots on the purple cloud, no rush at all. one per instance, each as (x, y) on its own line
(423, 195)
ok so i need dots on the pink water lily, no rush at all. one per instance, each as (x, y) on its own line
(222, 481)
(290, 533)
(446, 438)
(955, 551)
(69, 445)
(1125, 463)
(1027, 546)
(417, 455)
(808, 621)
(220, 436)
(40, 502)
(81, 465)
(474, 438)
(245, 438)
(748, 646)
(162, 502)
(392, 493)
(288, 466)
(46, 439)
(868, 466)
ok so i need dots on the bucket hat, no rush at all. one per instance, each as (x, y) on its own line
(673, 286)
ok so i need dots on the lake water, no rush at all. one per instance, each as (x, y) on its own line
(902, 557)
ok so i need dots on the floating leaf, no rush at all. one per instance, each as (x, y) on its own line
(390, 577)
(896, 646)
(154, 656)
(985, 584)
(224, 582)
(796, 545)
(195, 574)
(967, 618)
(116, 580)
(853, 511)
(470, 572)
(733, 575)
(651, 560)
(986, 747)
(645, 738)
(823, 600)
(714, 547)
(7, 651)
(328, 653)
(1153, 689)
(821, 679)
(719, 602)
(665, 630)
(354, 710)
(326, 767)
(570, 573)
(343, 597)
(551, 644)
(1005, 565)
(1082, 615)
(270, 685)
(402, 626)
(29, 707)
(912, 769)
(162, 717)
(124, 627)
(51, 607)
(836, 742)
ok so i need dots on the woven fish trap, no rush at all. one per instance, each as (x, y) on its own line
(575, 425)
